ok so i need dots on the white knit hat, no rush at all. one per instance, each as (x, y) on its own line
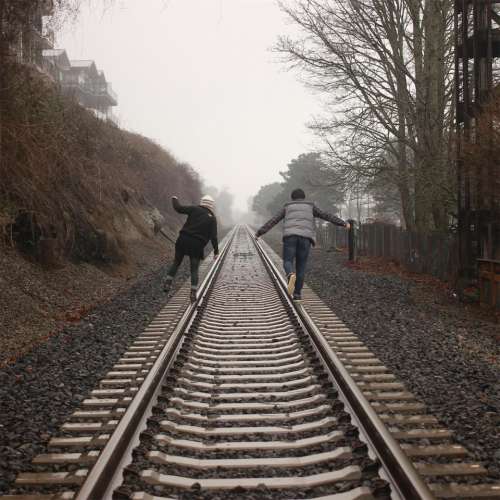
(208, 202)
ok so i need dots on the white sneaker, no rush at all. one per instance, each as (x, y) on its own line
(291, 283)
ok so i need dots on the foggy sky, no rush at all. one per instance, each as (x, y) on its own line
(198, 77)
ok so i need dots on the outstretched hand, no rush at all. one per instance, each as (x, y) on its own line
(216, 255)
(256, 237)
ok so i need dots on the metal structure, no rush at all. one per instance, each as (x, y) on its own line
(477, 44)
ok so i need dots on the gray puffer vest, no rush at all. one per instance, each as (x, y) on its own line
(299, 220)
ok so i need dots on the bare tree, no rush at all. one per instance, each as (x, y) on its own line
(385, 68)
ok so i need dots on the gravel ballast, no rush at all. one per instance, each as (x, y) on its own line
(448, 358)
(40, 390)
(439, 353)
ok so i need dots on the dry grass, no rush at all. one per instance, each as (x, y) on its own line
(76, 180)
(428, 289)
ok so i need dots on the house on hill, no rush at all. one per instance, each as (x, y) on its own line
(55, 63)
(30, 42)
(82, 81)
(89, 87)
(28, 33)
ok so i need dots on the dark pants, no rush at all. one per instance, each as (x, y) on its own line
(194, 264)
(296, 248)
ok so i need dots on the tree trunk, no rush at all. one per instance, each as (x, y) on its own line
(418, 118)
(396, 38)
(430, 55)
(403, 182)
(406, 206)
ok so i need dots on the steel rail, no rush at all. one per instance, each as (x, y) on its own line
(402, 475)
(106, 473)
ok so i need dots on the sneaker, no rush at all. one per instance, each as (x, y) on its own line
(167, 285)
(297, 298)
(193, 295)
(291, 283)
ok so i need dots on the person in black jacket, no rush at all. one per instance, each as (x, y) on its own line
(200, 227)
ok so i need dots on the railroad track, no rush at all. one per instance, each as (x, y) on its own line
(246, 396)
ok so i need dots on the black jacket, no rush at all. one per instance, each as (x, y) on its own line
(201, 223)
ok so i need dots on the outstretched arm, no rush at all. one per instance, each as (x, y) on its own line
(329, 217)
(270, 223)
(180, 208)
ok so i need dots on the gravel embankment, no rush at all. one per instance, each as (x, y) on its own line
(40, 390)
(37, 302)
(447, 357)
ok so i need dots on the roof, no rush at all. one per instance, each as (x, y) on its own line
(87, 66)
(53, 52)
(59, 55)
(82, 63)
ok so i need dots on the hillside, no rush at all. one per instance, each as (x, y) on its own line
(81, 206)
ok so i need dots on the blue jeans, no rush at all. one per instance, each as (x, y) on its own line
(296, 248)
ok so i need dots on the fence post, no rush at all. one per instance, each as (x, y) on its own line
(382, 240)
(351, 240)
(391, 242)
(333, 234)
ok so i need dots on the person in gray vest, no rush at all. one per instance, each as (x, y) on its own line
(299, 233)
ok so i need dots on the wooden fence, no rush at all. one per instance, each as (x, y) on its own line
(432, 253)
(331, 237)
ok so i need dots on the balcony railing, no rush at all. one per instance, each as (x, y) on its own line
(111, 92)
(102, 92)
